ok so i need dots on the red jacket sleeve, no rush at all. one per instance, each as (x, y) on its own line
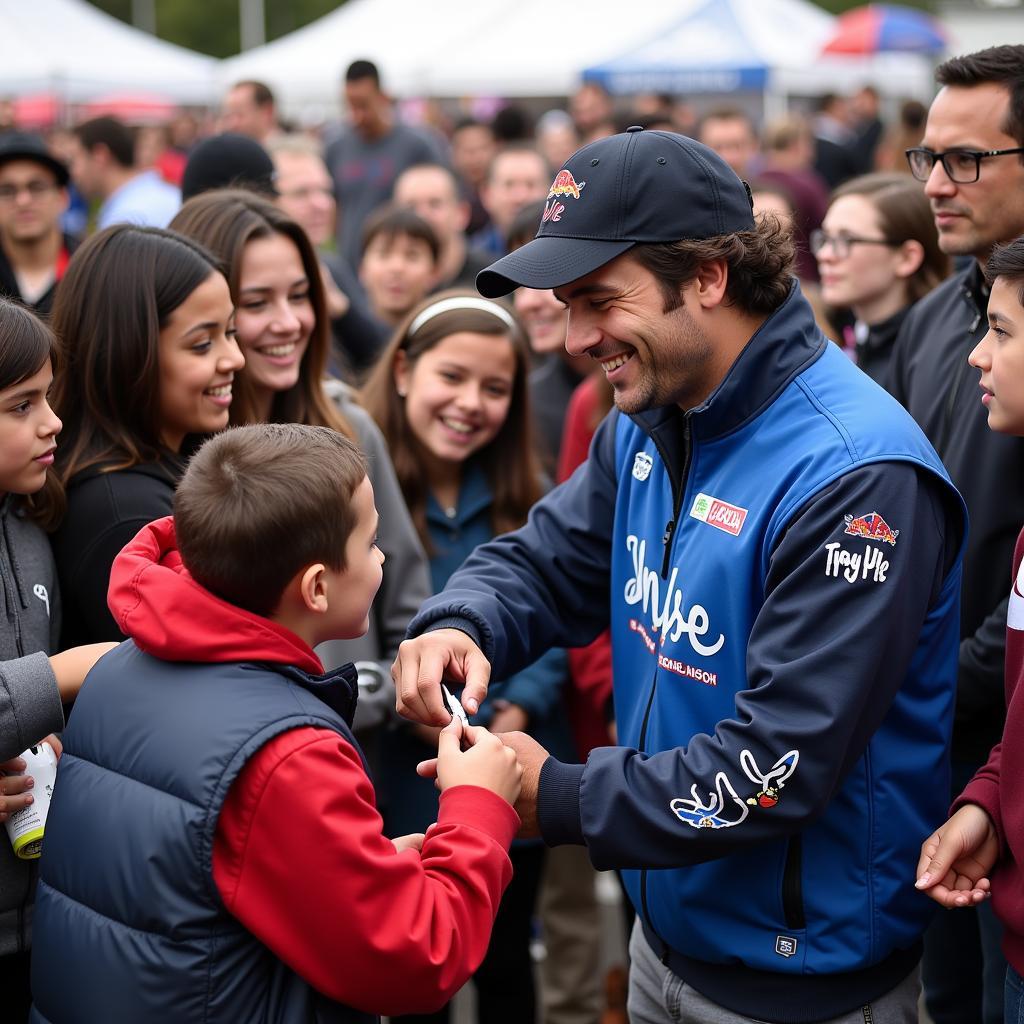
(983, 790)
(301, 860)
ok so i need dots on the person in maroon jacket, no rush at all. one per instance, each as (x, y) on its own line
(980, 850)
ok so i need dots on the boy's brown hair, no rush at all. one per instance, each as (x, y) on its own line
(262, 502)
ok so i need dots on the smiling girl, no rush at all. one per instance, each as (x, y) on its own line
(146, 320)
(284, 331)
(450, 394)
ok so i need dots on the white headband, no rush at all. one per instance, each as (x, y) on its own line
(461, 302)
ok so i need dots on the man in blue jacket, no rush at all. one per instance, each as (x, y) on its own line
(776, 547)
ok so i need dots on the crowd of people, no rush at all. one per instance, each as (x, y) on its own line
(708, 528)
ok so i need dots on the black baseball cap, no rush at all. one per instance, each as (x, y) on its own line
(228, 160)
(640, 186)
(25, 146)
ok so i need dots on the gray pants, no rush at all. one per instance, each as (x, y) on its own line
(657, 996)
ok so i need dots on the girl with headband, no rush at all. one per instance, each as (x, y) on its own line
(450, 395)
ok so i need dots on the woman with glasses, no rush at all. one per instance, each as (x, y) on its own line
(878, 253)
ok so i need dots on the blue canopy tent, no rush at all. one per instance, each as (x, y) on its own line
(766, 47)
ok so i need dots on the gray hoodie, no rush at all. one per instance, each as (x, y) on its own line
(30, 706)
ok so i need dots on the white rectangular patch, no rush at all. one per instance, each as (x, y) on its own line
(719, 514)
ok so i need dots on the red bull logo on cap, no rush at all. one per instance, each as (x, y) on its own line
(565, 185)
(871, 526)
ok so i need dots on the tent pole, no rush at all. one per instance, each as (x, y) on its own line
(774, 103)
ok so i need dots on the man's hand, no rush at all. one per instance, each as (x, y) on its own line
(421, 665)
(957, 859)
(531, 756)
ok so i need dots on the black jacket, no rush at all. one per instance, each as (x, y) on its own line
(105, 510)
(9, 283)
(875, 345)
(930, 375)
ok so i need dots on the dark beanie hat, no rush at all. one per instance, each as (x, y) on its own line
(228, 161)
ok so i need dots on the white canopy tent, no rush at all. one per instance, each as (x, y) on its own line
(449, 47)
(75, 51)
(532, 48)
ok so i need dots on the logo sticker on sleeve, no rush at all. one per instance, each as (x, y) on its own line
(642, 463)
(719, 514)
(872, 527)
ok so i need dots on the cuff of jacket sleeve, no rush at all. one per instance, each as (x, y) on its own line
(481, 809)
(985, 793)
(33, 709)
(456, 622)
(558, 803)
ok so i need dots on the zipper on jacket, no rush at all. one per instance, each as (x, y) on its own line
(792, 886)
(679, 488)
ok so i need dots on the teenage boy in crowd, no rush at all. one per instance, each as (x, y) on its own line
(775, 546)
(213, 851)
(972, 166)
(399, 265)
(34, 252)
(987, 829)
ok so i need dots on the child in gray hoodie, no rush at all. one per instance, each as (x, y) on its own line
(33, 686)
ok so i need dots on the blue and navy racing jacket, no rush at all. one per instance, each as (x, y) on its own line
(781, 570)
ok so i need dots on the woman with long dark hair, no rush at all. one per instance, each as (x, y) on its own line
(145, 319)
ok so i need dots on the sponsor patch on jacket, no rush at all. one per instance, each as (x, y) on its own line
(719, 514)
(785, 945)
(872, 526)
(852, 566)
(642, 464)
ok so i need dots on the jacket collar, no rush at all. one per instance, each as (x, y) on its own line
(474, 497)
(782, 347)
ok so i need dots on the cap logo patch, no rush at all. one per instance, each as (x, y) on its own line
(552, 211)
(565, 185)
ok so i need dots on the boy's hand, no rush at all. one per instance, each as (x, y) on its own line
(424, 661)
(15, 788)
(957, 858)
(413, 841)
(73, 665)
(486, 762)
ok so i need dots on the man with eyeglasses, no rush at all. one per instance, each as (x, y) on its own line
(33, 195)
(971, 161)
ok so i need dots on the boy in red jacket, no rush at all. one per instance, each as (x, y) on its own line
(980, 849)
(213, 850)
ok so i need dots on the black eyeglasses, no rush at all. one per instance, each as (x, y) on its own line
(962, 166)
(841, 243)
(35, 190)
